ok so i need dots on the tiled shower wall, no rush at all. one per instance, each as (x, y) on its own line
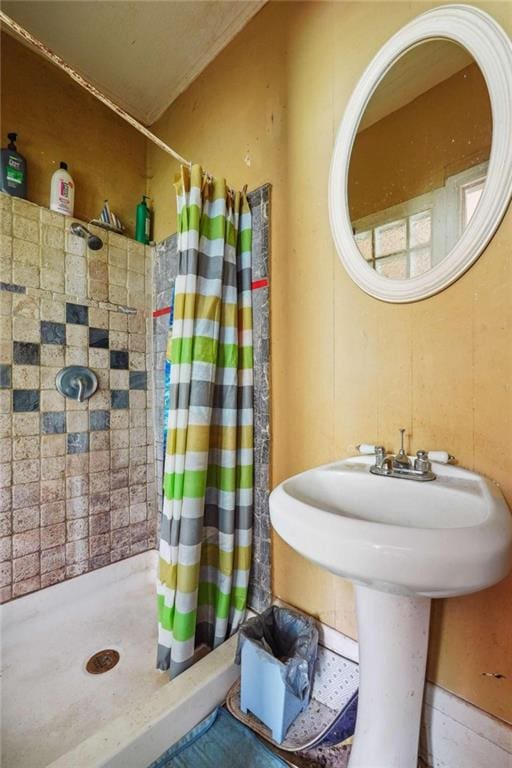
(76, 479)
(164, 273)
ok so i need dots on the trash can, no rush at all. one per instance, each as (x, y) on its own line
(277, 652)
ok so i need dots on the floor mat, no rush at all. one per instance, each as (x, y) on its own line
(220, 740)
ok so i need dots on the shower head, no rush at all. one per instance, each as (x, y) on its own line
(93, 242)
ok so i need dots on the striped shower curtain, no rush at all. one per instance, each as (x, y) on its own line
(206, 533)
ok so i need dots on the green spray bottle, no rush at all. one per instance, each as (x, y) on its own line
(143, 221)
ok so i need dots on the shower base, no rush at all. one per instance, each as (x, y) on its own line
(50, 702)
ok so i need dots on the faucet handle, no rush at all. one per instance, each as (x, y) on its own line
(380, 455)
(422, 462)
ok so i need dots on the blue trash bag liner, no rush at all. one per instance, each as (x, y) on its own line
(289, 636)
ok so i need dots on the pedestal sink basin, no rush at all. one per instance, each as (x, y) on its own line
(401, 543)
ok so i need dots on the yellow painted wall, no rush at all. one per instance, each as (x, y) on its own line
(57, 120)
(346, 367)
(388, 166)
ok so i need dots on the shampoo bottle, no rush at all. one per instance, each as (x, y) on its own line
(14, 169)
(62, 191)
(143, 222)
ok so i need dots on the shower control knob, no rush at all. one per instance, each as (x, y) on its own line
(76, 382)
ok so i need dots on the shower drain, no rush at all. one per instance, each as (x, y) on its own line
(102, 661)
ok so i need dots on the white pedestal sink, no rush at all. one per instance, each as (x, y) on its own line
(401, 543)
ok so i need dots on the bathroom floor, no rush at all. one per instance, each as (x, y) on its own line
(50, 703)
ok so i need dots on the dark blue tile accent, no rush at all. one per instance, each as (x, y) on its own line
(53, 422)
(119, 398)
(53, 333)
(99, 420)
(5, 376)
(77, 442)
(26, 353)
(119, 359)
(138, 380)
(77, 314)
(98, 338)
(25, 400)
(12, 288)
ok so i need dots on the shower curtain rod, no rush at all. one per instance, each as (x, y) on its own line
(89, 87)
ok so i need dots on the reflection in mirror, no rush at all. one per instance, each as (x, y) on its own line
(419, 161)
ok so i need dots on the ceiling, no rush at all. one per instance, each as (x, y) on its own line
(417, 71)
(143, 53)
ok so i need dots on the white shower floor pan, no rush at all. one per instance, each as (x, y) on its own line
(56, 714)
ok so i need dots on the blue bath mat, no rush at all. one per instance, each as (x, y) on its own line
(220, 740)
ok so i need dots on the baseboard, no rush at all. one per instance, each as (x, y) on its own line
(454, 733)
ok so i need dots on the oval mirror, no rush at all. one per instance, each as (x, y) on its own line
(416, 188)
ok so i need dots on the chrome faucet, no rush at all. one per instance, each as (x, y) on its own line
(400, 465)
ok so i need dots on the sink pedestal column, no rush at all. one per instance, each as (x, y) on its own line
(393, 642)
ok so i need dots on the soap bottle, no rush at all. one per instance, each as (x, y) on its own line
(62, 191)
(143, 222)
(14, 169)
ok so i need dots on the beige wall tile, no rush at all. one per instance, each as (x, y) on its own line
(78, 355)
(77, 335)
(52, 237)
(99, 358)
(25, 229)
(53, 468)
(6, 329)
(26, 519)
(26, 586)
(76, 286)
(117, 294)
(24, 329)
(98, 318)
(52, 490)
(136, 323)
(51, 218)
(98, 290)
(5, 401)
(26, 423)
(24, 208)
(49, 372)
(100, 401)
(52, 356)
(28, 276)
(137, 344)
(54, 310)
(52, 258)
(53, 445)
(51, 400)
(118, 340)
(25, 471)
(118, 321)
(118, 257)
(25, 447)
(74, 245)
(52, 279)
(25, 306)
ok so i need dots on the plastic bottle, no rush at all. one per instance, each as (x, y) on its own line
(14, 169)
(143, 222)
(62, 191)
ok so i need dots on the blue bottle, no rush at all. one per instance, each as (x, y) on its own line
(14, 169)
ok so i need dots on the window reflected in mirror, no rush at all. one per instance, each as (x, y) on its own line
(419, 162)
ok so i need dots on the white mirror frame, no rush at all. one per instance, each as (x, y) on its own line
(491, 48)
